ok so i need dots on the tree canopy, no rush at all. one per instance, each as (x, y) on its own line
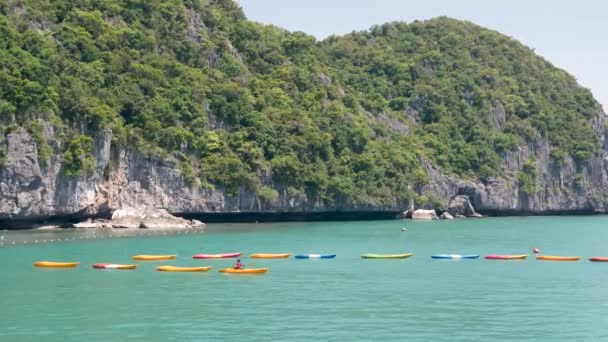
(248, 106)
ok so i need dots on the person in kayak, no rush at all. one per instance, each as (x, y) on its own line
(238, 265)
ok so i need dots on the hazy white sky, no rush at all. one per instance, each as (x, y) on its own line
(573, 35)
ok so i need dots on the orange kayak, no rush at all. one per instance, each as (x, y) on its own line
(54, 264)
(153, 257)
(270, 255)
(244, 270)
(558, 258)
(183, 269)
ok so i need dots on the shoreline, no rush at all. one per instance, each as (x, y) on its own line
(62, 222)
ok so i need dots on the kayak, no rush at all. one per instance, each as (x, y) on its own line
(114, 266)
(183, 269)
(55, 264)
(315, 256)
(217, 256)
(386, 256)
(270, 255)
(244, 270)
(153, 257)
(455, 256)
(600, 259)
(558, 258)
(506, 257)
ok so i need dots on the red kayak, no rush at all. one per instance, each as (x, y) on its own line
(506, 257)
(600, 259)
(217, 256)
(114, 266)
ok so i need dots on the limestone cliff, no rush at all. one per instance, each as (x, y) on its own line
(125, 178)
(560, 187)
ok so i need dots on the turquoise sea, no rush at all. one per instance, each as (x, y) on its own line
(344, 299)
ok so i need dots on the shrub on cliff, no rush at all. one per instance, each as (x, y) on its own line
(78, 157)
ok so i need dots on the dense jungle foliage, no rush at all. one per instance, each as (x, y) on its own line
(242, 105)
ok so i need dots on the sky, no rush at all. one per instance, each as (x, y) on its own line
(571, 34)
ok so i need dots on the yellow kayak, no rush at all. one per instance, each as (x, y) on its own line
(386, 256)
(558, 258)
(270, 255)
(244, 270)
(153, 257)
(55, 264)
(183, 269)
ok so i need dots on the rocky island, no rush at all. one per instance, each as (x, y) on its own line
(188, 108)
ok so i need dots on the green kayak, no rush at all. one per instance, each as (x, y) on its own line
(387, 256)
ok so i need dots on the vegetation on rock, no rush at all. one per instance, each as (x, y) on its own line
(527, 178)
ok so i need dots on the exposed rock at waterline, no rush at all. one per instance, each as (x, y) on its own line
(151, 219)
(88, 224)
(424, 214)
(162, 219)
(49, 228)
(461, 205)
(446, 216)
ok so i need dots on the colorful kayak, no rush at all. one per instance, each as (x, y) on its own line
(315, 256)
(114, 266)
(270, 255)
(558, 258)
(183, 269)
(153, 257)
(54, 264)
(244, 270)
(386, 256)
(217, 256)
(599, 259)
(455, 256)
(506, 257)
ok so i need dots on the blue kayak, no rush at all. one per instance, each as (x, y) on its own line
(315, 256)
(455, 256)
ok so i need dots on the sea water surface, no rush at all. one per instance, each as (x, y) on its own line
(342, 299)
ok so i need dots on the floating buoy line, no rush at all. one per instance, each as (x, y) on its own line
(6, 241)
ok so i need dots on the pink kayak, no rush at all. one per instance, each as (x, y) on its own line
(506, 257)
(217, 256)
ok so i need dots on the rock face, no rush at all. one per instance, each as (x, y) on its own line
(121, 179)
(124, 178)
(424, 214)
(560, 186)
